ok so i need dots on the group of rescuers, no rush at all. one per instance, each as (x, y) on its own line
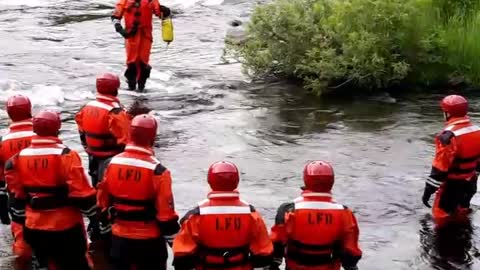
(45, 193)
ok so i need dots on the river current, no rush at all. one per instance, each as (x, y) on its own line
(52, 50)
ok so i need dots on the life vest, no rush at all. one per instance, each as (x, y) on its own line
(140, 12)
(40, 171)
(315, 232)
(18, 138)
(100, 141)
(129, 177)
(467, 137)
(224, 231)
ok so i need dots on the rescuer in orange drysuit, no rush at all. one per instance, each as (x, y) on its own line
(50, 185)
(138, 36)
(313, 232)
(136, 196)
(454, 167)
(18, 137)
(223, 231)
(103, 125)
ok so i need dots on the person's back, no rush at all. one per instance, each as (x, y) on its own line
(223, 232)
(50, 181)
(313, 232)
(103, 123)
(454, 167)
(136, 198)
(18, 137)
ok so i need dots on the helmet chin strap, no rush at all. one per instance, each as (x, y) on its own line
(446, 116)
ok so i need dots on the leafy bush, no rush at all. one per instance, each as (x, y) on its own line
(370, 44)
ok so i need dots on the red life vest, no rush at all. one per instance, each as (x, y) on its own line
(100, 141)
(467, 137)
(18, 138)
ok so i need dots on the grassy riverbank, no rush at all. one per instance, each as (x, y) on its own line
(364, 44)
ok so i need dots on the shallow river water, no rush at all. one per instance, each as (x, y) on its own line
(53, 49)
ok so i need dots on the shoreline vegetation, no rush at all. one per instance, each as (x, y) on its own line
(367, 45)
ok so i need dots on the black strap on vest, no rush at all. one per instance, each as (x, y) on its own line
(308, 255)
(51, 197)
(146, 214)
(228, 255)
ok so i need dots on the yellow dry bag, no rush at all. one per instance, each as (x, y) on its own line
(167, 29)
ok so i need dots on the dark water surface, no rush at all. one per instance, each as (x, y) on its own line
(52, 50)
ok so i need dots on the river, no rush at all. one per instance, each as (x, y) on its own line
(52, 50)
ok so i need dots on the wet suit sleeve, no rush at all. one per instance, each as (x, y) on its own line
(445, 152)
(80, 192)
(185, 244)
(3, 191)
(19, 200)
(119, 9)
(279, 233)
(79, 121)
(351, 253)
(103, 203)
(155, 4)
(119, 125)
(261, 246)
(164, 204)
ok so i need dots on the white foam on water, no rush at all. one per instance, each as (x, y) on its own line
(80, 95)
(213, 2)
(30, 3)
(161, 75)
(190, 3)
(39, 94)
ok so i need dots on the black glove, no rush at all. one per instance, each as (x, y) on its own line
(351, 268)
(4, 217)
(118, 27)
(120, 30)
(427, 193)
(94, 229)
(166, 12)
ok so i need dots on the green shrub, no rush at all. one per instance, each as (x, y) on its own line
(366, 44)
(462, 46)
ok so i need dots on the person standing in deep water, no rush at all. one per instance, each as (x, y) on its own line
(138, 36)
(454, 169)
(313, 232)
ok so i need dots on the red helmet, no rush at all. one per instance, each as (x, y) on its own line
(455, 105)
(143, 130)
(47, 123)
(19, 108)
(223, 176)
(318, 176)
(108, 84)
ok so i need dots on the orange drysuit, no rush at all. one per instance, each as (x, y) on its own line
(138, 12)
(18, 137)
(315, 233)
(454, 168)
(104, 126)
(223, 232)
(136, 194)
(49, 179)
